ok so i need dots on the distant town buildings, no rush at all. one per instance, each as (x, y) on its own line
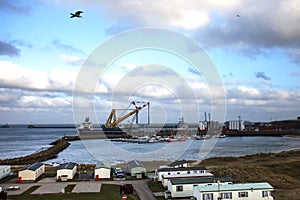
(239, 125)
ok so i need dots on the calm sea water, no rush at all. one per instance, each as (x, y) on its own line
(20, 141)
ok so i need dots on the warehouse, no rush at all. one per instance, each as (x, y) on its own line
(136, 168)
(102, 170)
(66, 171)
(31, 172)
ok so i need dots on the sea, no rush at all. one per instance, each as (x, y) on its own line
(18, 140)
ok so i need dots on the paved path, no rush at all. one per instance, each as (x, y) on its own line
(142, 190)
(50, 186)
(87, 187)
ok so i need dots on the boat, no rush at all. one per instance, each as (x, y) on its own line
(111, 127)
(4, 125)
(87, 131)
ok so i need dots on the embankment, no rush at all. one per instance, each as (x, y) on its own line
(49, 153)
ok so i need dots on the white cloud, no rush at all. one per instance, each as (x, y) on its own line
(26, 78)
(44, 102)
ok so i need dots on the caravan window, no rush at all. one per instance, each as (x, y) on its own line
(209, 196)
(179, 188)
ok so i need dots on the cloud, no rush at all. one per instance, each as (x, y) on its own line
(16, 6)
(8, 49)
(262, 75)
(65, 47)
(28, 79)
(262, 25)
(261, 104)
(72, 60)
(295, 74)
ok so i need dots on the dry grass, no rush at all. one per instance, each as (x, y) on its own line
(281, 170)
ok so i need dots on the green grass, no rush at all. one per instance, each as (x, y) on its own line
(110, 192)
(155, 186)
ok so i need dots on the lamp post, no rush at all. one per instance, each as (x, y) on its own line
(219, 195)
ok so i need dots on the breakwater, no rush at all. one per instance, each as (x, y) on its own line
(49, 153)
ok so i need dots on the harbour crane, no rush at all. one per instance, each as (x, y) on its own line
(112, 121)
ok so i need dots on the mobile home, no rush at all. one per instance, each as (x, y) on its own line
(136, 168)
(66, 171)
(179, 188)
(247, 191)
(4, 171)
(31, 172)
(166, 177)
(180, 170)
(102, 170)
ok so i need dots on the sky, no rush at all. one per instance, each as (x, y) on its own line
(254, 46)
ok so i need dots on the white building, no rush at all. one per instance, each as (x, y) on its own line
(247, 191)
(180, 170)
(136, 168)
(178, 188)
(31, 172)
(66, 171)
(102, 170)
(4, 171)
(166, 177)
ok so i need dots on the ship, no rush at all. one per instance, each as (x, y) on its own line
(87, 131)
(110, 129)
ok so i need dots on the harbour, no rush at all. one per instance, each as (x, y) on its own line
(20, 141)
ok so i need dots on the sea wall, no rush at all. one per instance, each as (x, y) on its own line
(49, 153)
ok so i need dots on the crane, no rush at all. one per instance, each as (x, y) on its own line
(112, 120)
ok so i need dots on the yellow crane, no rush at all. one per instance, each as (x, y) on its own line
(112, 120)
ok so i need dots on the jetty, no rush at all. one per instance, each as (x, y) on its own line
(43, 155)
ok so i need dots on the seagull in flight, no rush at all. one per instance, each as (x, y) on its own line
(76, 14)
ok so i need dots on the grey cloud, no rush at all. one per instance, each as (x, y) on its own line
(295, 74)
(8, 49)
(16, 6)
(262, 75)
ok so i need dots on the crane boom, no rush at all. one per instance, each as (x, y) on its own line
(112, 122)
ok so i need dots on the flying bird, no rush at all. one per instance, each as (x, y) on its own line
(76, 14)
(237, 15)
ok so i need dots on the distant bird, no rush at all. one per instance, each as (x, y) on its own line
(76, 14)
(237, 15)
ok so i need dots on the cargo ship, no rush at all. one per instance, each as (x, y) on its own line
(110, 129)
(87, 131)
